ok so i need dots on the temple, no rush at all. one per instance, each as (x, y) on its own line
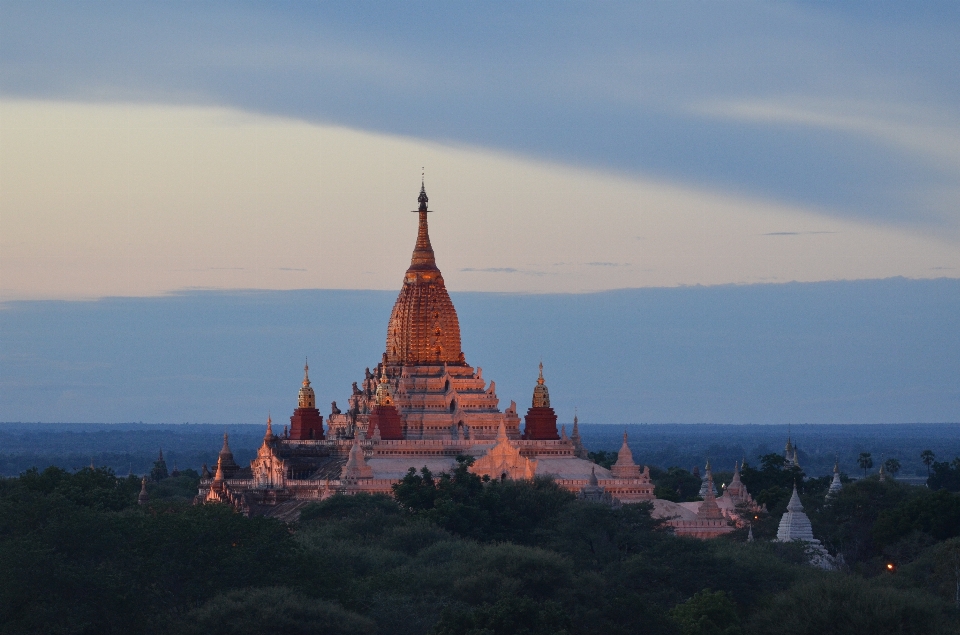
(423, 405)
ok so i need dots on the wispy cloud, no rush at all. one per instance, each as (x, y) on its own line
(290, 269)
(934, 136)
(491, 269)
(608, 264)
(797, 233)
(526, 272)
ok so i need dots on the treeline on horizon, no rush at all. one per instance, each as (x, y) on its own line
(453, 554)
(132, 448)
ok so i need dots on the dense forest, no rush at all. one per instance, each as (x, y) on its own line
(453, 554)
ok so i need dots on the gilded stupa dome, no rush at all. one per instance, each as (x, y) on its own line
(423, 328)
(541, 396)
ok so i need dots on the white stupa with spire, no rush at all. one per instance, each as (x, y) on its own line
(835, 484)
(794, 525)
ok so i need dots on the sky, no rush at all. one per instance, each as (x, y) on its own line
(568, 147)
(154, 149)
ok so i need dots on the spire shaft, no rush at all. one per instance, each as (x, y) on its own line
(423, 257)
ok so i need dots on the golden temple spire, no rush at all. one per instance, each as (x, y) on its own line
(423, 257)
(269, 435)
(423, 328)
(306, 373)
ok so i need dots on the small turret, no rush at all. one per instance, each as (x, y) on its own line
(835, 484)
(384, 398)
(225, 458)
(541, 396)
(219, 476)
(159, 471)
(384, 422)
(578, 450)
(143, 498)
(541, 420)
(306, 422)
(625, 467)
(707, 482)
(709, 510)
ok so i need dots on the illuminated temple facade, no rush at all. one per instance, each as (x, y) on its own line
(422, 405)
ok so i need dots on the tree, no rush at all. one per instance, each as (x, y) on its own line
(707, 613)
(928, 457)
(892, 466)
(865, 461)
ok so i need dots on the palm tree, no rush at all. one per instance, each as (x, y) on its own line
(865, 462)
(927, 456)
(892, 466)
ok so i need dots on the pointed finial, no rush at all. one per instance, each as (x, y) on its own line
(306, 372)
(422, 199)
(269, 434)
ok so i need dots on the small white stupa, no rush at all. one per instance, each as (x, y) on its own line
(707, 482)
(835, 484)
(796, 526)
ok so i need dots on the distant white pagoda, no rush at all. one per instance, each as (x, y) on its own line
(707, 482)
(796, 526)
(835, 484)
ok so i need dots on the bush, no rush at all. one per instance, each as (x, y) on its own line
(275, 610)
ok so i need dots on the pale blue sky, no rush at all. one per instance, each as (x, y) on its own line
(148, 148)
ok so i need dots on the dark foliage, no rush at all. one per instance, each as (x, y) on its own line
(451, 554)
(603, 458)
(675, 484)
(945, 475)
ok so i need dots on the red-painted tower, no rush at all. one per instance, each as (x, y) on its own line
(541, 420)
(306, 422)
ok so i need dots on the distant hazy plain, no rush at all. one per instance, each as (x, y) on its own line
(827, 352)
